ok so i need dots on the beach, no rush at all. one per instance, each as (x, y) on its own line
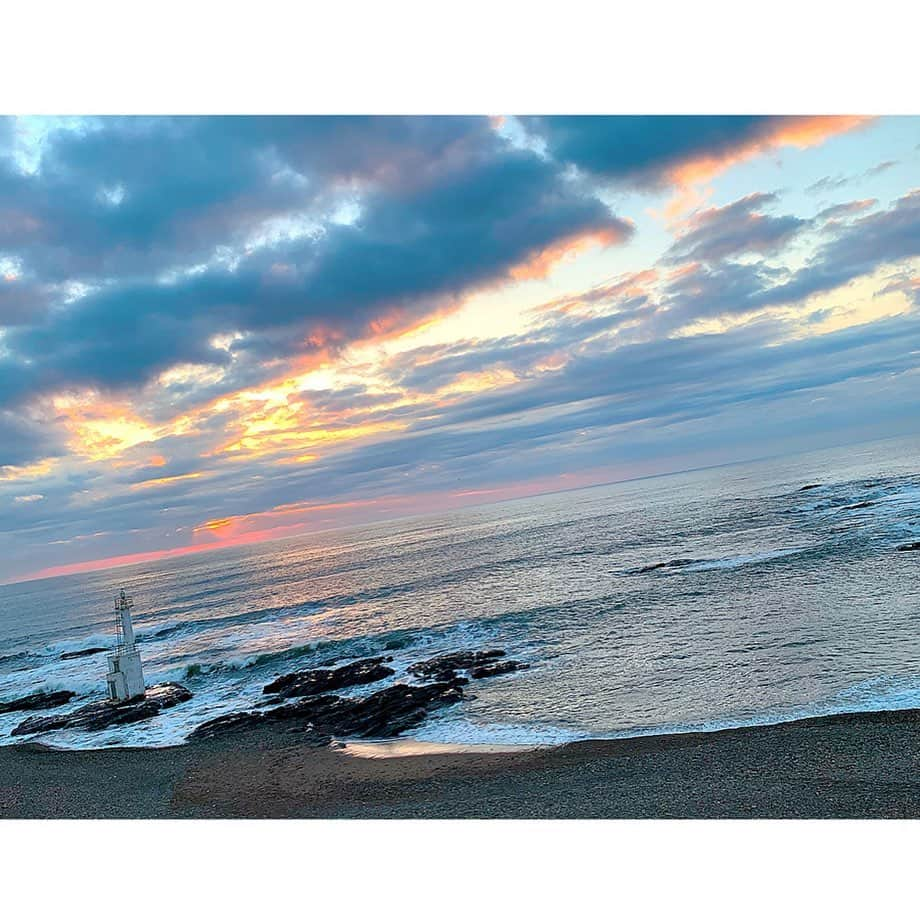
(860, 765)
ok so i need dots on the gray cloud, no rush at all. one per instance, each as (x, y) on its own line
(424, 237)
(740, 227)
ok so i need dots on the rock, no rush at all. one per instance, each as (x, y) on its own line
(270, 701)
(83, 653)
(321, 680)
(391, 711)
(909, 547)
(498, 667)
(104, 713)
(445, 667)
(383, 714)
(670, 564)
(810, 486)
(43, 699)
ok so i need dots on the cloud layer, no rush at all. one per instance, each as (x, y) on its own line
(218, 328)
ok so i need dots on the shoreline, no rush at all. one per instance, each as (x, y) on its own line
(848, 765)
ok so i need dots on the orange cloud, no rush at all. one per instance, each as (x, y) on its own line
(237, 524)
(100, 429)
(37, 470)
(539, 264)
(634, 284)
(218, 524)
(259, 441)
(795, 131)
(164, 480)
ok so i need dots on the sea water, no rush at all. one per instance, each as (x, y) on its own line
(776, 604)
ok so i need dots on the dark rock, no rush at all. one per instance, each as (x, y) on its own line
(321, 680)
(445, 667)
(670, 564)
(499, 667)
(104, 713)
(83, 653)
(908, 547)
(43, 699)
(393, 710)
(270, 701)
(810, 486)
(383, 714)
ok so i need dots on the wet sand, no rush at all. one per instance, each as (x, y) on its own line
(863, 765)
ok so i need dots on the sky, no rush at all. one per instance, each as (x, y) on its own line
(216, 331)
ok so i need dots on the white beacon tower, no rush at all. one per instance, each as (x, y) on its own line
(125, 677)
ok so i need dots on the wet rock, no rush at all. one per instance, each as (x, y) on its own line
(322, 680)
(270, 701)
(909, 547)
(393, 710)
(670, 564)
(383, 714)
(43, 699)
(810, 486)
(83, 653)
(105, 713)
(498, 667)
(445, 667)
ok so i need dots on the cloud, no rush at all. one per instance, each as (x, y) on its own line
(660, 150)
(741, 227)
(22, 302)
(179, 298)
(831, 183)
(477, 213)
(24, 440)
(856, 248)
(847, 209)
(849, 250)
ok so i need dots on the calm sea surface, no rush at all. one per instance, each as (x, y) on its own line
(784, 603)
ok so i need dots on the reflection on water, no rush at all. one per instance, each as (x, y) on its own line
(407, 747)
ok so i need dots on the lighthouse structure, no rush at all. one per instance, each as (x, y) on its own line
(125, 677)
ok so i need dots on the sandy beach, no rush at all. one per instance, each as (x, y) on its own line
(846, 766)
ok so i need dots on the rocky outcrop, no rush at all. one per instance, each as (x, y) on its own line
(320, 715)
(83, 652)
(105, 713)
(909, 547)
(445, 667)
(42, 699)
(383, 714)
(323, 680)
(497, 668)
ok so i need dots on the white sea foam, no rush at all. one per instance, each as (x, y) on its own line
(451, 729)
(734, 562)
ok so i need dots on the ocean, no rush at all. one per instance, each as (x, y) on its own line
(775, 604)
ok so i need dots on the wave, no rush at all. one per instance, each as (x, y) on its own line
(178, 627)
(675, 566)
(734, 562)
(56, 649)
(183, 627)
(451, 730)
(325, 652)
